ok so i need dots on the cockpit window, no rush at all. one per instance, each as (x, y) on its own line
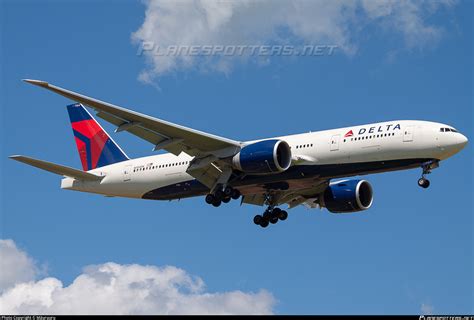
(447, 130)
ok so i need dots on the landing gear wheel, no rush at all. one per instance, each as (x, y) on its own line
(226, 200)
(283, 215)
(219, 194)
(258, 219)
(264, 223)
(267, 215)
(216, 202)
(235, 194)
(274, 219)
(274, 216)
(424, 183)
(210, 199)
(228, 191)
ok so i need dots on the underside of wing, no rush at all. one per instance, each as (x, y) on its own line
(293, 197)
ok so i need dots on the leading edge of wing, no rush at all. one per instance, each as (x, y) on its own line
(116, 110)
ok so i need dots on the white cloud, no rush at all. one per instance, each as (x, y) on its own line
(112, 288)
(426, 309)
(254, 22)
(15, 265)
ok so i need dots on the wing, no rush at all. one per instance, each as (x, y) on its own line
(162, 134)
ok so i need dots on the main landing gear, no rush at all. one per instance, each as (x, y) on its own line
(271, 215)
(220, 196)
(427, 167)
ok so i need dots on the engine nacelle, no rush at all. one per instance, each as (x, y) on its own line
(348, 196)
(264, 157)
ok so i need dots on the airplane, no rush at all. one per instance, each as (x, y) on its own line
(300, 169)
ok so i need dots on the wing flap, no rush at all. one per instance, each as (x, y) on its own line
(57, 169)
(255, 199)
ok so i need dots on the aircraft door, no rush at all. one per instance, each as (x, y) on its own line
(127, 173)
(335, 142)
(408, 134)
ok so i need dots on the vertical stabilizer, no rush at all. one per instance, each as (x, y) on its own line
(96, 148)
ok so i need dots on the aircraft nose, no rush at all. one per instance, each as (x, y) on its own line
(462, 140)
(458, 142)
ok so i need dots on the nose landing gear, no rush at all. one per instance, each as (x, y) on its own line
(427, 167)
(423, 182)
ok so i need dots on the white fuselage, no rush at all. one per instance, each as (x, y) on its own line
(378, 142)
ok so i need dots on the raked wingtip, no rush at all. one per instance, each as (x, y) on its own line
(16, 157)
(36, 82)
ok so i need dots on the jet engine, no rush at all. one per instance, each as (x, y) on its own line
(263, 157)
(347, 196)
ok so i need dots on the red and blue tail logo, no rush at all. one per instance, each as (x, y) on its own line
(96, 148)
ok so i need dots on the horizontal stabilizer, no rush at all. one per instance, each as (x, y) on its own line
(58, 169)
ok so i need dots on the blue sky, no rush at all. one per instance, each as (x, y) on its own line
(412, 251)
